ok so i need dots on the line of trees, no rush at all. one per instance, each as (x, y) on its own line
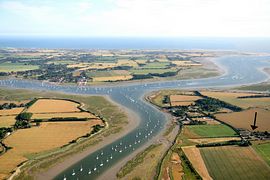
(4, 131)
(23, 120)
(226, 143)
(10, 105)
(254, 96)
(213, 105)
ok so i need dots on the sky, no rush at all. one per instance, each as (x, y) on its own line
(135, 18)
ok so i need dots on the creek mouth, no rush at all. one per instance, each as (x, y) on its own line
(240, 70)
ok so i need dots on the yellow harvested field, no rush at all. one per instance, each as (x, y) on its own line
(162, 60)
(220, 94)
(45, 137)
(99, 66)
(13, 111)
(245, 118)
(141, 61)
(9, 161)
(102, 53)
(63, 115)
(194, 156)
(86, 66)
(53, 105)
(231, 97)
(183, 100)
(48, 135)
(7, 121)
(213, 140)
(127, 62)
(112, 78)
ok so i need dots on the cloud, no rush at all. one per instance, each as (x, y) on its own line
(19, 7)
(84, 6)
(144, 17)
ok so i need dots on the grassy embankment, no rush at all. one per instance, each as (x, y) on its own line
(150, 159)
(147, 158)
(15, 67)
(256, 87)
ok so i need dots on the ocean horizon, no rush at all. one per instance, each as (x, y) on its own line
(184, 43)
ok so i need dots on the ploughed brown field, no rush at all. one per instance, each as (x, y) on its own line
(245, 118)
(232, 98)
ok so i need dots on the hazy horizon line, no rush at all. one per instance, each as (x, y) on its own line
(150, 37)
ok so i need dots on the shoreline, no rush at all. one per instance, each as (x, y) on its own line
(159, 138)
(112, 172)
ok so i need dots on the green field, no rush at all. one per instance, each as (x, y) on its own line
(263, 149)
(197, 72)
(61, 62)
(106, 59)
(234, 162)
(156, 65)
(219, 130)
(15, 67)
(152, 71)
